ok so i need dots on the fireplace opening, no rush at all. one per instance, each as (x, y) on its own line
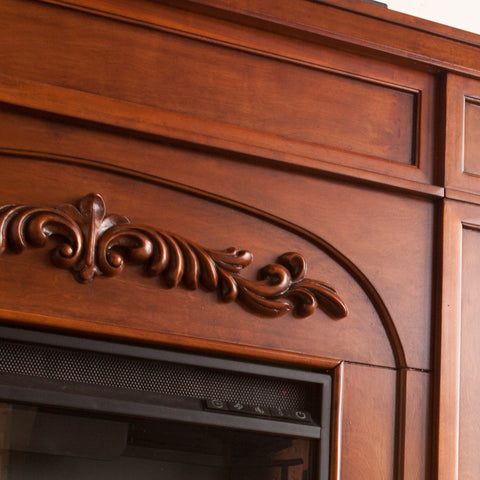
(45, 444)
(80, 408)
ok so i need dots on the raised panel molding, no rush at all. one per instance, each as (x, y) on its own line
(381, 116)
(462, 170)
(471, 137)
(17, 94)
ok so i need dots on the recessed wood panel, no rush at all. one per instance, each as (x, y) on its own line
(418, 411)
(282, 96)
(469, 431)
(471, 162)
(462, 167)
(372, 405)
(368, 432)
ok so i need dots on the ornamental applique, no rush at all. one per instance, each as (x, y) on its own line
(91, 243)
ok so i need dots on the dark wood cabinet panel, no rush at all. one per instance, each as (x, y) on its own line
(458, 352)
(301, 187)
(462, 169)
(418, 425)
(469, 466)
(372, 401)
(368, 406)
(472, 124)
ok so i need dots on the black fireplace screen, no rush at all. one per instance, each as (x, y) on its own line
(79, 408)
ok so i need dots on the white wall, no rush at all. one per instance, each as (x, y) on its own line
(464, 14)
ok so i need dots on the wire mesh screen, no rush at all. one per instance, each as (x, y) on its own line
(116, 371)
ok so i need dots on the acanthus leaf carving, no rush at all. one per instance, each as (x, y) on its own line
(91, 243)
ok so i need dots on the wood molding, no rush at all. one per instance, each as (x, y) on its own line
(244, 144)
(462, 171)
(32, 320)
(449, 346)
(337, 420)
(456, 430)
(367, 28)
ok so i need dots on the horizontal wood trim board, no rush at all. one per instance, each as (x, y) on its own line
(419, 41)
(402, 39)
(162, 125)
(172, 21)
(462, 195)
(167, 339)
(367, 8)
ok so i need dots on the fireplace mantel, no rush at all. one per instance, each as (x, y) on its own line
(290, 185)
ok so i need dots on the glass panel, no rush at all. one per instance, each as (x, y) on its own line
(43, 444)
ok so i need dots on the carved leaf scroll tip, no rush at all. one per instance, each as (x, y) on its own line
(91, 243)
(300, 295)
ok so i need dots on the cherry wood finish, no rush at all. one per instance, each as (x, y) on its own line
(322, 86)
(458, 415)
(462, 170)
(336, 131)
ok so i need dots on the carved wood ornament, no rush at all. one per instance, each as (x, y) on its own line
(94, 243)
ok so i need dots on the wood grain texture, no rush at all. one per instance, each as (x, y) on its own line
(376, 244)
(334, 129)
(221, 84)
(447, 378)
(337, 422)
(212, 82)
(418, 427)
(462, 172)
(212, 223)
(368, 433)
(471, 162)
(469, 392)
(391, 454)
(386, 32)
(274, 150)
(458, 375)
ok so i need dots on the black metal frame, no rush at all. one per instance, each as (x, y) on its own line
(53, 393)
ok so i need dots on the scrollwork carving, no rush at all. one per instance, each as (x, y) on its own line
(91, 243)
